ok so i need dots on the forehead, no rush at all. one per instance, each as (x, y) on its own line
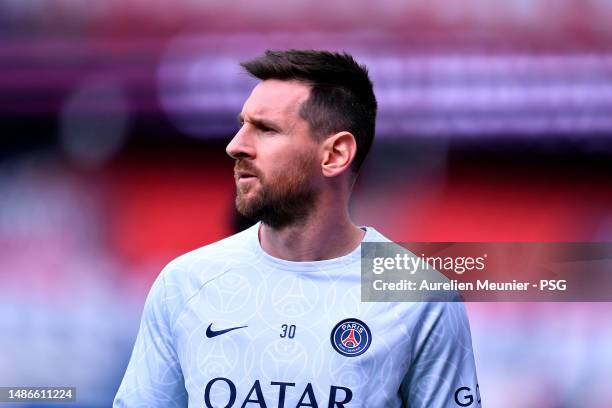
(276, 99)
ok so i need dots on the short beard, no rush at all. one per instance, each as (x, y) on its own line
(287, 200)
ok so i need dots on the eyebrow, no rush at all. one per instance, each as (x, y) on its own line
(259, 122)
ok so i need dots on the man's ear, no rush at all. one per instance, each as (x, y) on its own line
(338, 153)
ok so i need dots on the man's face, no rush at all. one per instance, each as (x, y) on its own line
(276, 157)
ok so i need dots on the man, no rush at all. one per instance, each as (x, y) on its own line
(271, 317)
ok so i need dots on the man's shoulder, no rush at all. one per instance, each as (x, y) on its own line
(213, 259)
(373, 235)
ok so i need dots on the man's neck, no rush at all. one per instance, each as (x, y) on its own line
(317, 239)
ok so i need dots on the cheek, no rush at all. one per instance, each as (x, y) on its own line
(278, 171)
(302, 168)
(288, 162)
(275, 163)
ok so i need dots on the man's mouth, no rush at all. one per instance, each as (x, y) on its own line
(242, 175)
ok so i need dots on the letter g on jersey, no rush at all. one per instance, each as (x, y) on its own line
(351, 337)
(465, 397)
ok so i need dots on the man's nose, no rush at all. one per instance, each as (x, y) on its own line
(241, 145)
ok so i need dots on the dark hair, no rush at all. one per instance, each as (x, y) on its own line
(341, 96)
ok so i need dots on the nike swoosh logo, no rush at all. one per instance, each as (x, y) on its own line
(213, 333)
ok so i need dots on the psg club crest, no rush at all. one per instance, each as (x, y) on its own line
(351, 337)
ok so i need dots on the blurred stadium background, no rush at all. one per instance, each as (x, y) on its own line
(495, 125)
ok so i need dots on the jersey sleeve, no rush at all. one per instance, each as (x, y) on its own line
(443, 371)
(153, 377)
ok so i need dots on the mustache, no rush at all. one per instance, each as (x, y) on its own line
(246, 166)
